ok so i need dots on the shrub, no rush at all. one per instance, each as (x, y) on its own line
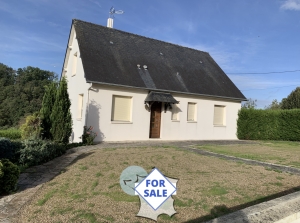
(6, 150)
(88, 135)
(9, 175)
(32, 127)
(17, 146)
(11, 133)
(269, 124)
(38, 151)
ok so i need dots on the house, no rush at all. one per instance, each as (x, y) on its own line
(130, 87)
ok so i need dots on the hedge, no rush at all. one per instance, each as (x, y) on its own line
(256, 124)
(11, 133)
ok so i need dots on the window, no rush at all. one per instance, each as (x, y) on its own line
(191, 112)
(74, 64)
(121, 108)
(219, 115)
(175, 113)
(80, 106)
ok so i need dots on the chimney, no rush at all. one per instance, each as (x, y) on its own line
(110, 22)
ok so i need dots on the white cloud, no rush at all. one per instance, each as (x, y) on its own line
(291, 5)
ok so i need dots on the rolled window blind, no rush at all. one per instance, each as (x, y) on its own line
(191, 111)
(121, 108)
(219, 115)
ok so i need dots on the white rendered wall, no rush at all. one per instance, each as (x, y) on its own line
(99, 116)
(76, 85)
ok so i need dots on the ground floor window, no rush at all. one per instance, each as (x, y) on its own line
(219, 115)
(191, 111)
(121, 108)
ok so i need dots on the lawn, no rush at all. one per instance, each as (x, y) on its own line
(277, 152)
(89, 190)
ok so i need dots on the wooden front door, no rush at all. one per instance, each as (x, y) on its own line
(155, 118)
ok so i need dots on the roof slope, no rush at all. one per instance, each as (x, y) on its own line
(111, 56)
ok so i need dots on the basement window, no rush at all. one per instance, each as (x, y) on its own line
(121, 108)
(219, 115)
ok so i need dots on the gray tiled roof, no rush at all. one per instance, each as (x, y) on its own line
(112, 56)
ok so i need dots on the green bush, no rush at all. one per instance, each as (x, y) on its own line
(32, 127)
(74, 144)
(39, 151)
(9, 175)
(11, 133)
(256, 124)
(6, 150)
(17, 146)
(88, 135)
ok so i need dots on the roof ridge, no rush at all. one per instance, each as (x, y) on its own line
(118, 30)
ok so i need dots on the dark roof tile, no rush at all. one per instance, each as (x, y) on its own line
(111, 56)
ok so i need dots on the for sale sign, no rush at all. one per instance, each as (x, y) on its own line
(155, 189)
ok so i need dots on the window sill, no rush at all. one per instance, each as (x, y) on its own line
(120, 122)
(175, 120)
(73, 75)
(219, 125)
(191, 121)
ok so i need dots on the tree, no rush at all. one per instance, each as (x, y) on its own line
(292, 100)
(274, 105)
(61, 121)
(21, 92)
(32, 127)
(46, 110)
(249, 104)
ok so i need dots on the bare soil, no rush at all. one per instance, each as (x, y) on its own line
(89, 190)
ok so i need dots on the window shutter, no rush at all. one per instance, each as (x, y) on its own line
(191, 111)
(219, 115)
(80, 104)
(121, 108)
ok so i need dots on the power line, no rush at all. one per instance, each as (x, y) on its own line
(256, 89)
(273, 72)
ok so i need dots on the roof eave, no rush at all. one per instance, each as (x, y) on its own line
(168, 91)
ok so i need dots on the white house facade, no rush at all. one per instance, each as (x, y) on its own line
(127, 92)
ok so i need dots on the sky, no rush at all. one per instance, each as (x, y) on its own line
(255, 42)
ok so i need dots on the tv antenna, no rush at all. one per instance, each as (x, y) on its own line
(112, 12)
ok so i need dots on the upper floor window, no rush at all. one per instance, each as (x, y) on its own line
(74, 64)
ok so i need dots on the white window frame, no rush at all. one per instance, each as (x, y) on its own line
(80, 106)
(194, 113)
(219, 118)
(119, 118)
(74, 64)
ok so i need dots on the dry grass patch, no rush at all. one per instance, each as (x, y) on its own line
(277, 152)
(89, 190)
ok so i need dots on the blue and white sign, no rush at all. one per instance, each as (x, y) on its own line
(155, 189)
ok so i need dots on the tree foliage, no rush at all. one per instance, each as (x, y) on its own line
(61, 120)
(32, 127)
(249, 104)
(21, 92)
(46, 110)
(275, 105)
(292, 101)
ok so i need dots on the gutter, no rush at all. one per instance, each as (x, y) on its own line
(167, 91)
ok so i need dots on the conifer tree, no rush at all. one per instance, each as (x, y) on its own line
(46, 110)
(61, 121)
